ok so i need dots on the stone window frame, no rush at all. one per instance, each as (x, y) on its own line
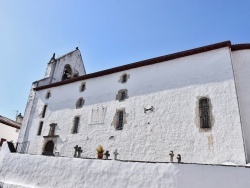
(121, 78)
(48, 94)
(74, 130)
(122, 95)
(82, 87)
(40, 128)
(205, 113)
(44, 110)
(116, 119)
(79, 103)
(52, 129)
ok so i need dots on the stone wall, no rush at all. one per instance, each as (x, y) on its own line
(23, 170)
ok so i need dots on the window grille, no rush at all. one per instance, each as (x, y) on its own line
(40, 128)
(76, 125)
(44, 111)
(120, 120)
(204, 113)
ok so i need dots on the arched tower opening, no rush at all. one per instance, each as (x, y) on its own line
(67, 72)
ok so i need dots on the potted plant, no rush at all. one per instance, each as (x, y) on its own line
(100, 151)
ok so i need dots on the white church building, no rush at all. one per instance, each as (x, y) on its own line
(194, 102)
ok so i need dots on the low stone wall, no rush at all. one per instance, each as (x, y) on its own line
(22, 170)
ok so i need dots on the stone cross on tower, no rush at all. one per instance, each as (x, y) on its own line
(115, 154)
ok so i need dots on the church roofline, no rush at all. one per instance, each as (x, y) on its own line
(149, 62)
(66, 54)
(236, 47)
(9, 122)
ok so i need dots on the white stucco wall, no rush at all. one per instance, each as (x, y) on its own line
(241, 63)
(20, 170)
(8, 133)
(173, 89)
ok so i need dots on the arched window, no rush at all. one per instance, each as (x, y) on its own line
(204, 113)
(40, 128)
(79, 103)
(48, 95)
(119, 125)
(67, 72)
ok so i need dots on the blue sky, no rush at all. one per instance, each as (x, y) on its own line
(108, 33)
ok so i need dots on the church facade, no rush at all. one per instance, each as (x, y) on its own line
(193, 102)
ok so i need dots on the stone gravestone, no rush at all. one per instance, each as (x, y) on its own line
(107, 154)
(115, 154)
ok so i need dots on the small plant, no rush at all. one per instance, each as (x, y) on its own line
(100, 149)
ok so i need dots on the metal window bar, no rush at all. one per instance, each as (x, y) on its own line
(75, 130)
(204, 113)
(120, 120)
(123, 95)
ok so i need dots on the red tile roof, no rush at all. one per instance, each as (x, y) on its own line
(149, 62)
(10, 122)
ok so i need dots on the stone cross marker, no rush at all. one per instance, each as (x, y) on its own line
(171, 154)
(76, 149)
(79, 152)
(107, 154)
(115, 154)
(178, 158)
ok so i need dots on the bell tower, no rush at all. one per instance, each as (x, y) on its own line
(64, 67)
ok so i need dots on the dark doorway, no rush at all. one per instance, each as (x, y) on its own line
(49, 148)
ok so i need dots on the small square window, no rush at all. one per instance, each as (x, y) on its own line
(80, 103)
(82, 87)
(48, 95)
